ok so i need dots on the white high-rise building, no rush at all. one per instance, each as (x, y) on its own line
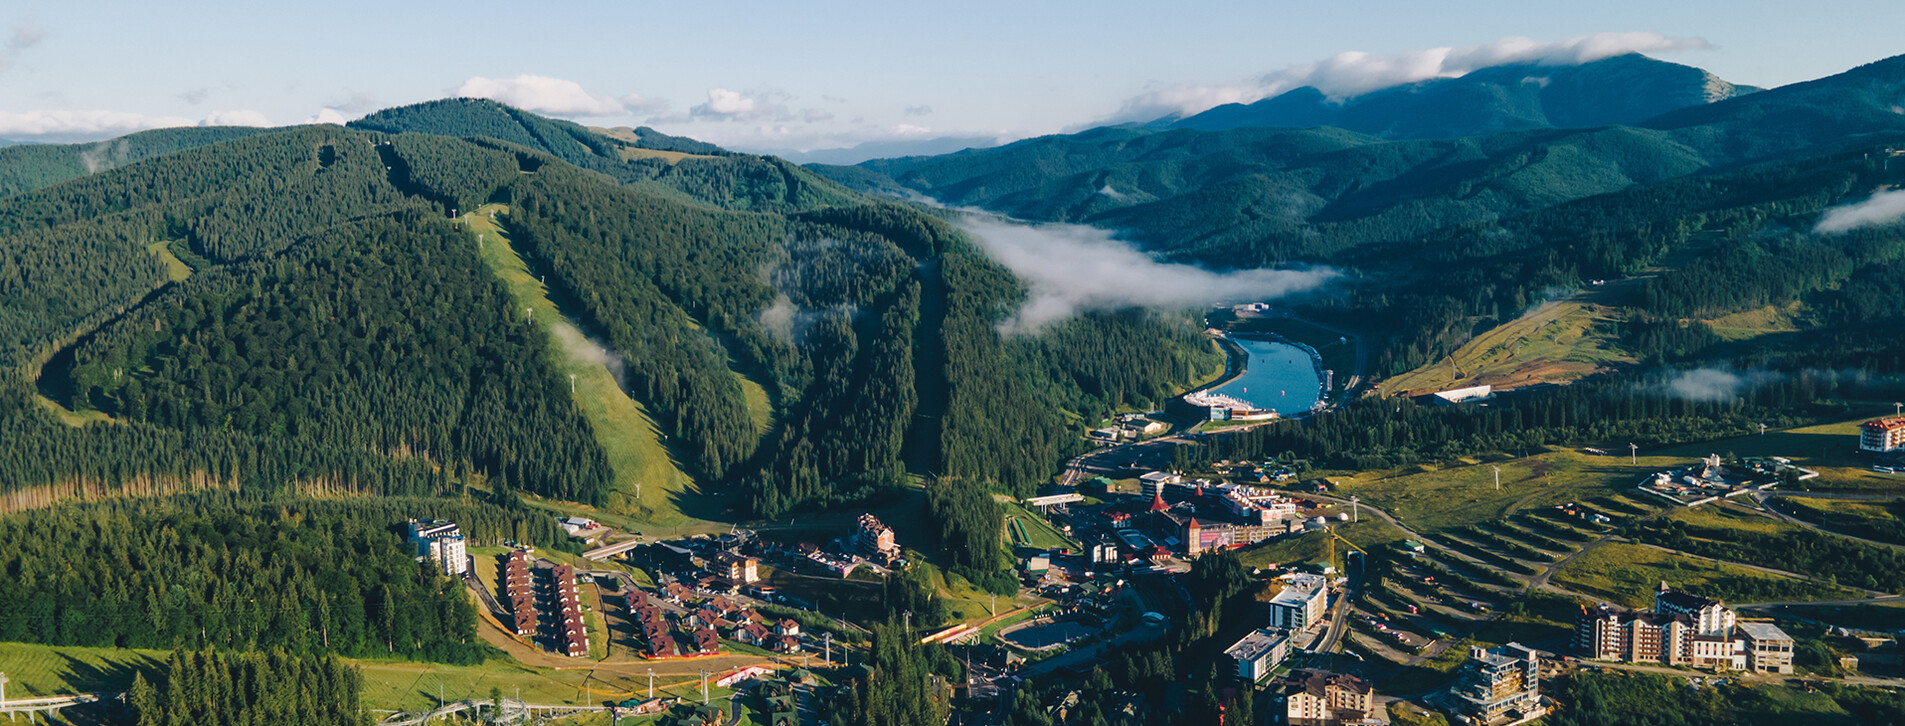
(442, 542)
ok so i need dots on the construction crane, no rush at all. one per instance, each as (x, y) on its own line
(1331, 543)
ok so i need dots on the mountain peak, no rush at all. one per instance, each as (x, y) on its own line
(1619, 90)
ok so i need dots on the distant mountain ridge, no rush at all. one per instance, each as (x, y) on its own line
(1623, 90)
(1252, 196)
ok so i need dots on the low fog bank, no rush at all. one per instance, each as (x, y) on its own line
(1074, 268)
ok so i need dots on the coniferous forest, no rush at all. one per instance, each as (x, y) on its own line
(234, 361)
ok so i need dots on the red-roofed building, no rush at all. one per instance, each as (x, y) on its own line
(661, 646)
(754, 634)
(706, 640)
(1882, 435)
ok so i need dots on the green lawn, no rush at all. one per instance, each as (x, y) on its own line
(1628, 574)
(1556, 341)
(1830, 448)
(1878, 521)
(1040, 534)
(650, 490)
(1429, 498)
(1312, 546)
(39, 670)
(175, 269)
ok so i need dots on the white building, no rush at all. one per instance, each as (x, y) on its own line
(1882, 435)
(442, 542)
(1259, 653)
(1301, 603)
(1151, 484)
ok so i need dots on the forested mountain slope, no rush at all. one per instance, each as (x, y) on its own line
(1247, 197)
(1622, 90)
(696, 171)
(26, 167)
(333, 332)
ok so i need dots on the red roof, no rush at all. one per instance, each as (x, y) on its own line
(1157, 502)
(1885, 424)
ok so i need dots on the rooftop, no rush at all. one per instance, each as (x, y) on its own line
(1885, 424)
(1300, 590)
(1764, 631)
(1255, 645)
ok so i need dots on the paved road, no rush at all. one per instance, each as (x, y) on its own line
(1860, 601)
(1802, 494)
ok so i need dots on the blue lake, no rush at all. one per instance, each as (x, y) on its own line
(1277, 376)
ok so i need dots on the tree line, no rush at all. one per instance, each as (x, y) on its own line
(239, 575)
(212, 688)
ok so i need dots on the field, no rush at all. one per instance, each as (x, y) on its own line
(651, 492)
(1874, 520)
(175, 269)
(39, 670)
(408, 686)
(1830, 449)
(1312, 546)
(1555, 342)
(1754, 323)
(1627, 574)
(1429, 499)
(1731, 515)
(1038, 533)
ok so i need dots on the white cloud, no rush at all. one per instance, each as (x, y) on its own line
(726, 105)
(94, 124)
(1354, 73)
(1880, 209)
(328, 116)
(920, 110)
(25, 35)
(816, 115)
(70, 125)
(235, 118)
(555, 96)
(1073, 268)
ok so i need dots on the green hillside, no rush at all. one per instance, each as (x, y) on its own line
(1248, 197)
(321, 328)
(1622, 90)
(27, 167)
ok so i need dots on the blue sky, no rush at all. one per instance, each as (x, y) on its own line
(779, 75)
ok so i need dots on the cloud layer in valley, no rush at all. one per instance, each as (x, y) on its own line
(1073, 268)
(555, 96)
(1354, 73)
(1881, 208)
(1713, 384)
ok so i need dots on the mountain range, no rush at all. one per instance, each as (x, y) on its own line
(395, 306)
(1624, 90)
(1254, 195)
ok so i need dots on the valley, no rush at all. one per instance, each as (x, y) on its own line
(460, 406)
